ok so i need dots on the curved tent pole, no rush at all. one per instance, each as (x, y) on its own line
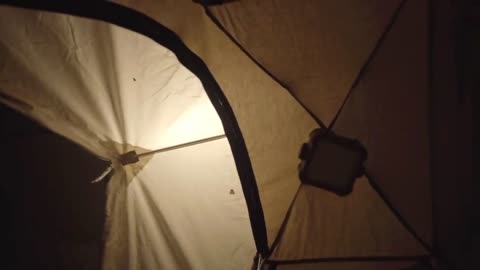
(431, 250)
(377, 189)
(142, 24)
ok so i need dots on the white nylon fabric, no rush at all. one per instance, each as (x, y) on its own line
(112, 90)
(182, 218)
(120, 83)
(273, 124)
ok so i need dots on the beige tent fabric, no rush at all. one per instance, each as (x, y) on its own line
(236, 74)
(111, 90)
(315, 47)
(324, 225)
(182, 222)
(389, 113)
(452, 141)
(273, 124)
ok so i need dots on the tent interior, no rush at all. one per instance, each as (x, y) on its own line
(165, 134)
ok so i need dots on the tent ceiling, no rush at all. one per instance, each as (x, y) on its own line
(398, 265)
(52, 217)
(389, 112)
(272, 122)
(186, 210)
(109, 80)
(316, 48)
(111, 90)
(324, 225)
(343, 35)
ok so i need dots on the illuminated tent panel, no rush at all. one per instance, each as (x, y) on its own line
(112, 90)
(324, 225)
(111, 81)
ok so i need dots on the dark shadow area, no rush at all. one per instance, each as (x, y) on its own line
(455, 40)
(52, 216)
(140, 23)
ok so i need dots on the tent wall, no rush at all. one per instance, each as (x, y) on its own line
(115, 78)
(315, 48)
(454, 80)
(324, 225)
(111, 91)
(273, 124)
(52, 216)
(397, 265)
(397, 79)
(389, 112)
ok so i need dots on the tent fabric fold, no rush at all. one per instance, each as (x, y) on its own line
(265, 41)
(400, 265)
(177, 221)
(322, 44)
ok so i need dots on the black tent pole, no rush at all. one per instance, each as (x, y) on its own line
(370, 58)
